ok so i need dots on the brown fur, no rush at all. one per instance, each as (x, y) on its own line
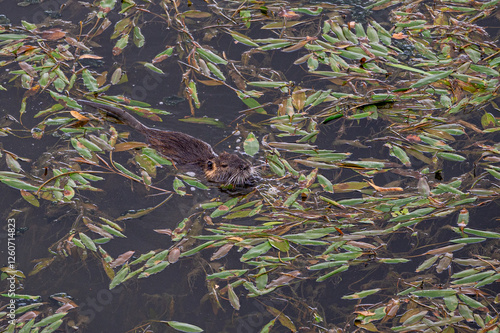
(186, 150)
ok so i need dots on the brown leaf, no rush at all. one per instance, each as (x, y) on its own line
(284, 279)
(222, 251)
(99, 231)
(392, 308)
(79, 116)
(53, 34)
(123, 146)
(399, 35)
(122, 258)
(174, 255)
(27, 316)
(163, 231)
(449, 248)
(66, 307)
(27, 68)
(384, 189)
(89, 56)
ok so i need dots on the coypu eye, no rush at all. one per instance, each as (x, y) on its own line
(224, 165)
(210, 165)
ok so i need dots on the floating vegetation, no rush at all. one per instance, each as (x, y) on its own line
(383, 212)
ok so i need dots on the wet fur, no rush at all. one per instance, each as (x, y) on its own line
(184, 149)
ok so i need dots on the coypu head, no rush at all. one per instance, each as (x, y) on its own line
(229, 169)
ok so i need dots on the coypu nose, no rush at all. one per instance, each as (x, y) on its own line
(253, 180)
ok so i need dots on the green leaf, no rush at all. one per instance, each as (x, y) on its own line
(196, 249)
(156, 268)
(338, 270)
(267, 84)
(451, 157)
(183, 327)
(325, 183)
(50, 319)
(361, 294)
(430, 79)
(400, 154)
(27, 327)
(18, 184)
(434, 293)
(227, 274)
(119, 277)
(481, 233)
(179, 187)
(12, 36)
(474, 277)
(216, 71)
(120, 44)
(52, 327)
(89, 81)
(87, 241)
(280, 244)
(471, 302)
(139, 39)
(251, 144)
(256, 251)
(484, 70)
(153, 68)
(243, 39)
(81, 149)
(210, 56)
(233, 298)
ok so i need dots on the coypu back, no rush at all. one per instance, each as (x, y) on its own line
(181, 148)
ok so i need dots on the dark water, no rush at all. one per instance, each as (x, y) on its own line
(178, 293)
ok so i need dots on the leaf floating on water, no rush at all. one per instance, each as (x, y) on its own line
(256, 251)
(174, 255)
(183, 327)
(28, 196)
(210, 56)
(50, 319)
(222, 251)
(431, 79)
(122, 259)
(325, 183)
(233, 298)
(153, 68)
(227, 274)
(427, 263)
(362, 294)
(384, 189)
(281, 25)
(423, 187)
(163, 55)
(349, 186)
(203, 120)
(124, 146)
(12, 163)
(243, 39)
(119, 277)
(284, 279)
(444, 263)
(435, 293)
(251, 144)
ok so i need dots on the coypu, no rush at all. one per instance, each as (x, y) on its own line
(186, 150)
